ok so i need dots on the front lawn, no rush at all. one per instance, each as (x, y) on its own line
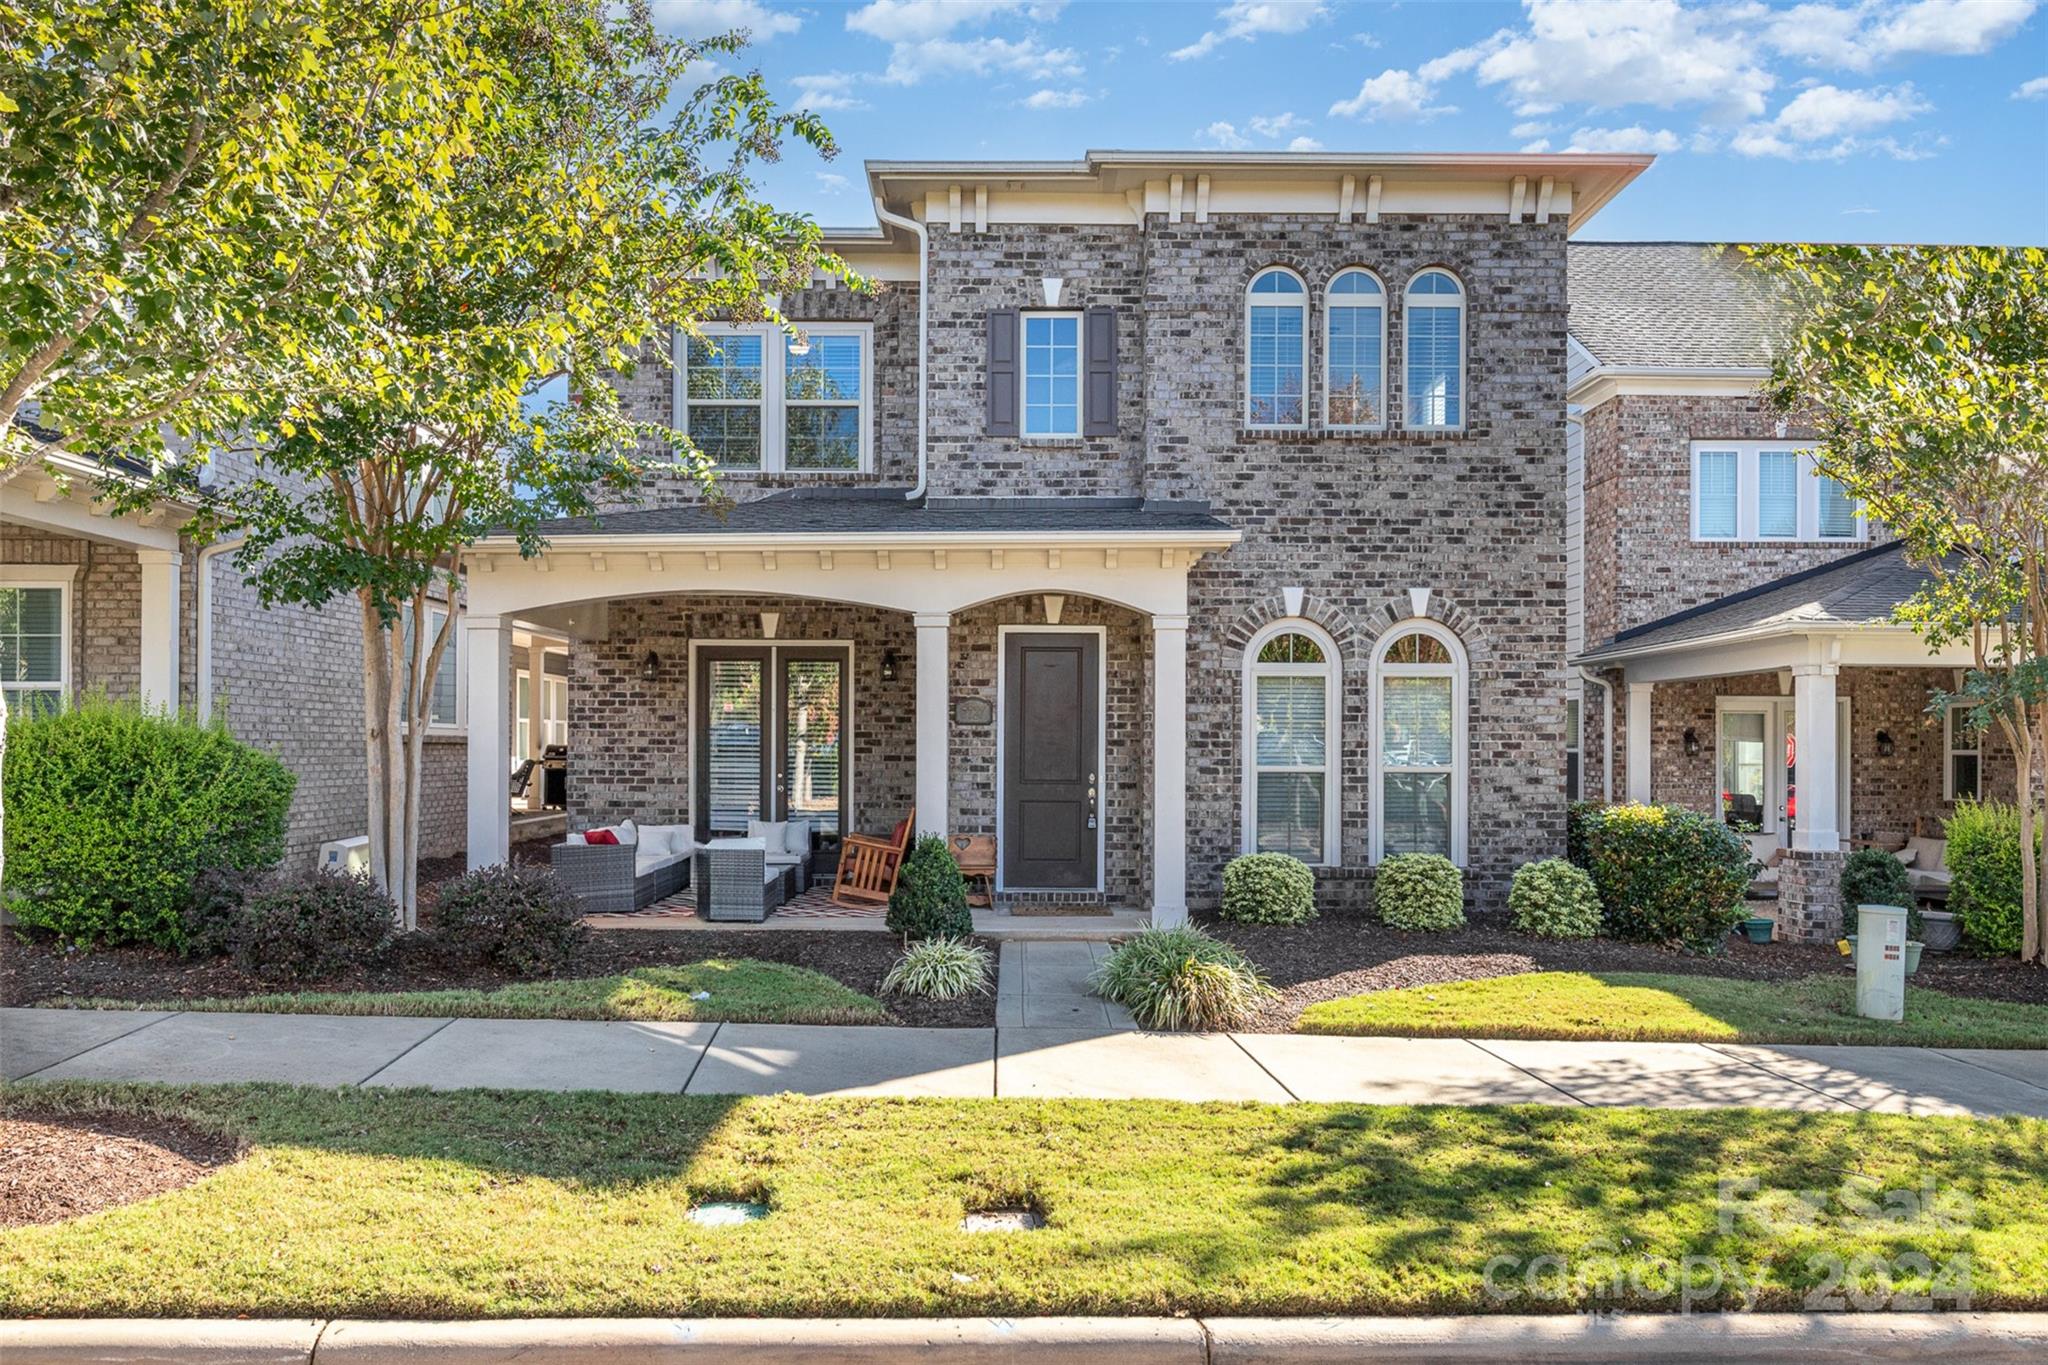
(1671, 1007)
(738, 990)
(414, 1204)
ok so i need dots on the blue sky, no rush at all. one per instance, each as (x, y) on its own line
(1864, 120)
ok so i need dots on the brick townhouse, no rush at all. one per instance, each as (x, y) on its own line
(1157, 507)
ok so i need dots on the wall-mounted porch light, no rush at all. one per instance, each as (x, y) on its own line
(1885, 746)
(1692, 742)
(650, 667)
(888, 665)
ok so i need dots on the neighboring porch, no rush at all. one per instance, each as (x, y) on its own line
(1022, 681)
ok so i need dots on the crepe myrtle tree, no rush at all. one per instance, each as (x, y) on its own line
(1925, 369)
(602, 205)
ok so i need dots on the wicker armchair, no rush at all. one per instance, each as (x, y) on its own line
(604, 880)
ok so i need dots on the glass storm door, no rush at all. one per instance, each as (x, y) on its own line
(770, 739)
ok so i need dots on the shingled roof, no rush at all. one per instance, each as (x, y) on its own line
(1856, 592)
(885, 512)
(1663, 304)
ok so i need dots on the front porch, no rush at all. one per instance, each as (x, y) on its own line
(1024, 682)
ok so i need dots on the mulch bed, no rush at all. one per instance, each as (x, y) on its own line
(52, 1169)
(1334, 958)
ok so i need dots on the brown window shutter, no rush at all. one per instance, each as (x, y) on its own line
(1098, 366)
(1002, 372)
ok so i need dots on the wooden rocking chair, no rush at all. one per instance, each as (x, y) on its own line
(868, 866)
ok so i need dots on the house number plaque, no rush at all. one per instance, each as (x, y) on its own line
(973, 711)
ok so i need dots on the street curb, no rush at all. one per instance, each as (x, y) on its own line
(1811, 1339)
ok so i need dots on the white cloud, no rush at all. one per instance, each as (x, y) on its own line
(1634, 138)
(1245, 20)
(914, 21)
(1529, 130)
(1824, 122)
(2035, 89)
(702, 18)
(1273, 125)
(1860, 36)
(827, 90)
(1223, 135)
(1393, 94)
(1304, 144)
(1847, 213)
(920, 34)
(1056, 99)
(831, 182)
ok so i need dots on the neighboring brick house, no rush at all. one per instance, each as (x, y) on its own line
(1730, 607)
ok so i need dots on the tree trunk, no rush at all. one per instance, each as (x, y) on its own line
(383, 727)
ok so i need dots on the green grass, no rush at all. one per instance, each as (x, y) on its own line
(741, 989)
(1645, 1005)
(409, 1203)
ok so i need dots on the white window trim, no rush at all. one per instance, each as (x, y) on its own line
(1949, 754)
(1330, 307)
(1460, 672)
(1331, 670)
(64, 578)
(1024, 319)
(1252, 301)
(553, 724)
(529, 717)
(1749, 491)
(1410, 301)
(774, 405)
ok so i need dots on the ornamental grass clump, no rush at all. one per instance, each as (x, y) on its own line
(1182, 979)
(940, 968)
(1553, 899)
(1268, 888)
(1420, 891)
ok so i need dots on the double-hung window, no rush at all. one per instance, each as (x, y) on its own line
(1435, 338)
(35, 653)
(1354, 354)
(1052, 375)
(1964, 756)
(1768, 490)
(1276, 350)
(444, 706)
(757, 401)
(1291, 723)
(1418, 789)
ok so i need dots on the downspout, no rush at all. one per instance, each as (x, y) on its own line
(1606, 733)
(202, 642)
(924, 307)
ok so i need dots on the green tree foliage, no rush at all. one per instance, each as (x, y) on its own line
(1925, 369)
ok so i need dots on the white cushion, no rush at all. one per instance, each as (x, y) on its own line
(771, 833)
(1931, 854)
(1922, 877)
(668, 838)
(1907, 856)
(800, 838)
(628, 832)
(645, 862)
(576, 839)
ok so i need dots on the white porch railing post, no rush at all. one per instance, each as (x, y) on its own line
(1639, 716)
(933, 724)
(1169, 771)
(160, 618)
(486, 656)
(1813, 707)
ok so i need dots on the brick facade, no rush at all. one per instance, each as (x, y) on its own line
(106, 605)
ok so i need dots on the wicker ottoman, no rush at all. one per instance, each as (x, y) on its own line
(736, 884)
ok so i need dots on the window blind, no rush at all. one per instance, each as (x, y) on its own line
(1717, 494)
(1837, 511)
(1434, 345)
(1777, 493)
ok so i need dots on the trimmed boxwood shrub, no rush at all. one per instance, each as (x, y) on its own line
(1419, 891)
(519, 918)
(1553, 899)
(314, 925)
(1984, 860)
(1182, 978)
(1872, 876)
(1667, 874)
(114, 811)
(931, 895)
(1268, 888)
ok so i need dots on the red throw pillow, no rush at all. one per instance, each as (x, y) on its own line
(600, 836)
(896, 837)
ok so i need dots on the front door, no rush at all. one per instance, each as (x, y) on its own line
(771, 738)
(1757, 765)
(1052, 755)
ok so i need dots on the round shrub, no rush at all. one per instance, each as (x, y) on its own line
(1268, 888)
(939, 969)
(1872, 876)
(1984, 860)
(314, 925)
(213, 915)
(1553, 899)
(1419, 891)
(519, 918)
(112, 811)
(1667, 874)
(931, 895)
(1182, 979)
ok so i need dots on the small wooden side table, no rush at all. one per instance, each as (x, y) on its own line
(976, 854)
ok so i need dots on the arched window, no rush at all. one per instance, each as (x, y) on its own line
(1418, 728)
(1291, 727)
(1435, 311)
(1276, 350)
(1355, 353)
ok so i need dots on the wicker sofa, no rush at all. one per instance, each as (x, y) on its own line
(649, 863)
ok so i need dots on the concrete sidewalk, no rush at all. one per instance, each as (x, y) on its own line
(1098, 1061)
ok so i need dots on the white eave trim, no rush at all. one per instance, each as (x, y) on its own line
(1610, 381)
(870, 540)
(1603, 658)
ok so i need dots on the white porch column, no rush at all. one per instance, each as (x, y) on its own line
(1639, 716)
(1813, 706)
(486, 658)
(933, 723)
(1169, 771)
(160, 618)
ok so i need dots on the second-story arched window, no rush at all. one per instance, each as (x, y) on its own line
(1276, 350)
(1355, 352)
(1435, 387)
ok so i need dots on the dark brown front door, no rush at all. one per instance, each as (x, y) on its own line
(1052, 726)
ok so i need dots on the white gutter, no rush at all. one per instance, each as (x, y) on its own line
(924, 309)
(202, 682)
